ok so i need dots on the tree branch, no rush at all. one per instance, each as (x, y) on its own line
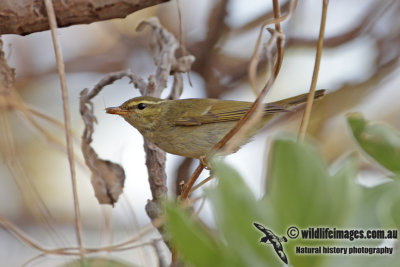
(27, 16)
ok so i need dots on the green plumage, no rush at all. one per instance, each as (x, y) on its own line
(191, 127)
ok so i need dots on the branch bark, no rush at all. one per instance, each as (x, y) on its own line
(23, 17)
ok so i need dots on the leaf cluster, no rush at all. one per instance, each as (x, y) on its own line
(301, 191)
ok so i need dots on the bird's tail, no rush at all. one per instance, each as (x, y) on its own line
(300, 99)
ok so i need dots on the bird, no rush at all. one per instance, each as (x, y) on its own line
(191, 127)
(274, 240)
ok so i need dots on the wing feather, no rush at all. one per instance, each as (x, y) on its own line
(222, 111)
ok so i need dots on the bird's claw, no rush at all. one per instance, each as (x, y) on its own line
(205, 163)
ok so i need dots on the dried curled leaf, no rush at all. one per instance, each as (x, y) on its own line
(163, 45)
(107, 177)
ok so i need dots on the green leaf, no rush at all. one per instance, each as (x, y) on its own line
(235, 210)
(301, 192)
(304, 194)
(380, 206)
(298, 184)
(378, 140)
(366, 213)
(343, 188)
(196, 245)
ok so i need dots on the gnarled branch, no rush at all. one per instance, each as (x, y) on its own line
(27, 16)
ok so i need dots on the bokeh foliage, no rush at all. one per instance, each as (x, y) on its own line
(302, 191)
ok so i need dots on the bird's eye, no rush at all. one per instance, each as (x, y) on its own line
(141, 106)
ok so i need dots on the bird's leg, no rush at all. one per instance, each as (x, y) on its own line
(204, 162)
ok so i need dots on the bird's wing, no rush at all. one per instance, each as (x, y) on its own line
(300, 99)
(282, 256)
(214, 110)
(280, 252)
(221, 111)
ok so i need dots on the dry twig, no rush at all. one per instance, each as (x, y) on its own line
(254, 61)
(251, 117)
(67, 122)
(310, 100)
(363, 27)
(126, 245)
(10, 99)
(163, 45)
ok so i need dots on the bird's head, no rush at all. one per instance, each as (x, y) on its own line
(141, 112)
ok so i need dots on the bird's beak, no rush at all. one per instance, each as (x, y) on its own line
(117, 110)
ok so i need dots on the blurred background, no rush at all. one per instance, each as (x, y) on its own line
(359, 68)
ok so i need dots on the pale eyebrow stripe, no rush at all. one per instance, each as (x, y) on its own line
(135, 103)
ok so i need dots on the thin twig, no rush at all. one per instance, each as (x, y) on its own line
(279, 41)
(364, 27)
(182, 175)
(310, 99)
(252, 69)
(25, 184)
(257, 104)
(134, 226)
(188, 187)
(258, 20)
(15, 102)
(194, 188)
(61, 71)
(181, 41)
(235, 141)
(76, 250)
(9, 99)
(31, 261)
(14, 230)
(178, 6)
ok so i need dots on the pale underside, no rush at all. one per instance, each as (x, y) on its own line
(186, 142)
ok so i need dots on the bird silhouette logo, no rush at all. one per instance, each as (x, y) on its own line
(274, 240)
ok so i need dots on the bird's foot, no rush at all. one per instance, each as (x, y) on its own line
(205, 163)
